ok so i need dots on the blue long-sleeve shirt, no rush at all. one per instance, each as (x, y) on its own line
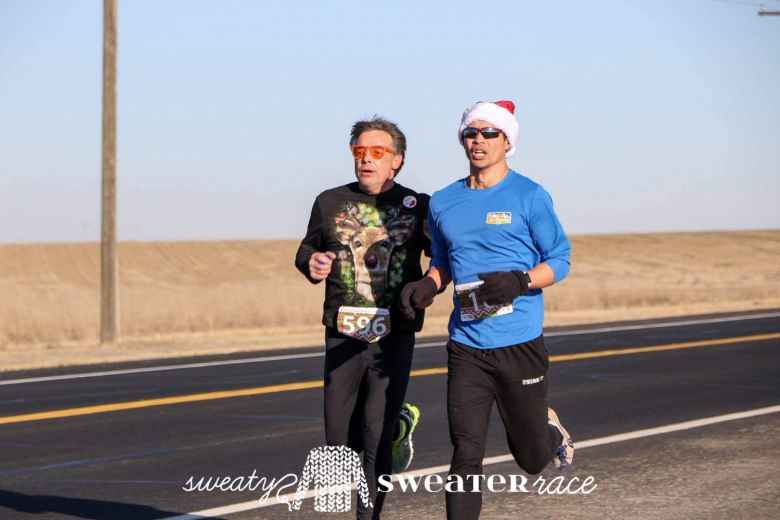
(508, 227)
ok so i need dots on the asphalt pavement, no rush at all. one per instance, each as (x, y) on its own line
(109, 444)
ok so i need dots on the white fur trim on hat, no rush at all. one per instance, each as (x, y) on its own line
(496, 115)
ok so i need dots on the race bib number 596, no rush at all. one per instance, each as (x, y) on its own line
(472, 307)
(367, 324)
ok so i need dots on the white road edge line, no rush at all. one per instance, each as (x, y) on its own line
(266, 359)
(600, 441)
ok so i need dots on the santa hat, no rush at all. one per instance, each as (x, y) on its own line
(500, 114)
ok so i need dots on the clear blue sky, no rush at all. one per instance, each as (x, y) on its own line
(636, 116)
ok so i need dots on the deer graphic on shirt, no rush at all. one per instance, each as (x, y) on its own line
(372, 235)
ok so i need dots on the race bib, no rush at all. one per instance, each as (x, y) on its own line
(367, 324)
(473, 308)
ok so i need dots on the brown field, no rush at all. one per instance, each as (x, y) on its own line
(181, 298)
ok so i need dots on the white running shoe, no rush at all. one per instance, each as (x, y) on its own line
(564, 455)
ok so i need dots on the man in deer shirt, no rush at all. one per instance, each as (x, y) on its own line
(365, 239)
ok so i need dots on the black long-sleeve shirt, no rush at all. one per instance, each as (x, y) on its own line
(378, 241)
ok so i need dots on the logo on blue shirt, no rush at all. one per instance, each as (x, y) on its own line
(499, 217)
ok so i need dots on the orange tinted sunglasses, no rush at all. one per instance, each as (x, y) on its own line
(376, 152)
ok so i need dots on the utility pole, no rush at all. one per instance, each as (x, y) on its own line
(109, 301)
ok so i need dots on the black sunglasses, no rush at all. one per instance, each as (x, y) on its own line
(488, 133)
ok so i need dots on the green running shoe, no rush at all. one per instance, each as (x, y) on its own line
(403, 449)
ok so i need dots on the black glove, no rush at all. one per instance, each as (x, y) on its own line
(503, 287)
(417, 295)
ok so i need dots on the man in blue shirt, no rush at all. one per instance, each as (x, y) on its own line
(496, 235)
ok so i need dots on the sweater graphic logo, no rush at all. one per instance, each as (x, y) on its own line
(332, 471)
(372, 236)
(499, 217)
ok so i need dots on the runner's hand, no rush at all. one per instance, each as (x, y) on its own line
(417, 295)
(503, 287)
(320, 264)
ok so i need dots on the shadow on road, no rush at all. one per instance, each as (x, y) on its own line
(80, 507)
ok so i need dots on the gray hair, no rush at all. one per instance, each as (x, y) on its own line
(380, 123)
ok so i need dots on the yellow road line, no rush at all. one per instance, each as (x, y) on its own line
(670, 346)
(179, 399)
(305, 385)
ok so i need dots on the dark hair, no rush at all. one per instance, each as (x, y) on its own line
(380, 123)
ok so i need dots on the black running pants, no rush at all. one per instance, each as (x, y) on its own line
(515, 378)
(365, 386)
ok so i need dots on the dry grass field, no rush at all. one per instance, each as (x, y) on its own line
(248, 292)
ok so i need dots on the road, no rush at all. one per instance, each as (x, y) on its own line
(93, 443)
